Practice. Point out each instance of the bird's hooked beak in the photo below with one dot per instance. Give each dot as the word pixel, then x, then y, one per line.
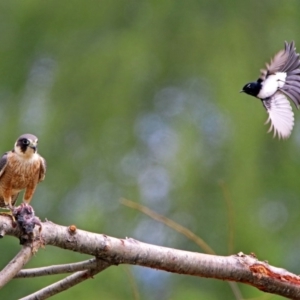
pixel 33 145
pixel 242 91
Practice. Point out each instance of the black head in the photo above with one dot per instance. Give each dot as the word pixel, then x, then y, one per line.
pixel 252 88
pixel 26 142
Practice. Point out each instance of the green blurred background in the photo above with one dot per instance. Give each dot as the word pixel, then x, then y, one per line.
pixel 139 99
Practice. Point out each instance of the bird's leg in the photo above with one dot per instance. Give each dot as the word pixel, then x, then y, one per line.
pixel 11 213
pixel 7 197
pixel 7 201
pixel 28 193
pixel 10 206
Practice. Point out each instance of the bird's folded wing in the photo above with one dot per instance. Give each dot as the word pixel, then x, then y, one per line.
pixel 281 115
pixel 43 167
pixel 3 163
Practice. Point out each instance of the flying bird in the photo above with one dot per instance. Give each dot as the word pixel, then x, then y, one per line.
pixel 21 169
pixel 277 83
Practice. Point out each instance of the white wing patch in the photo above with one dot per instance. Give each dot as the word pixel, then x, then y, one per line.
pixel 281 115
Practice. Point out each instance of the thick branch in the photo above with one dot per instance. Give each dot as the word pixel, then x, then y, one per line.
pixel 15 265
pixel 239 268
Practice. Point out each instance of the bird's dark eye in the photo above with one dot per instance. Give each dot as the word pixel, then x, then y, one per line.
pixel 25 142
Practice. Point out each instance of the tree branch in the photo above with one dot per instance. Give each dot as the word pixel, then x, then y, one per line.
pixel 57 269
pixel 67 282
pixel 15 265
pixel 239 268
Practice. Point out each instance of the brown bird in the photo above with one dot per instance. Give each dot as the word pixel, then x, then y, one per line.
pixel 22 168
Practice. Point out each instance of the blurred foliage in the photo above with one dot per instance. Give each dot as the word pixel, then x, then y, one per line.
pixel 139 99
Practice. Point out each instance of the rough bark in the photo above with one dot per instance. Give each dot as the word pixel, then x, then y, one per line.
pixel 109 251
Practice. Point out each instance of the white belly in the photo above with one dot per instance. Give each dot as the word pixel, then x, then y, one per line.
pixel 271 85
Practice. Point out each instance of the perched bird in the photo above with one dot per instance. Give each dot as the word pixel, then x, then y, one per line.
pixel 280 81
pixel 22 168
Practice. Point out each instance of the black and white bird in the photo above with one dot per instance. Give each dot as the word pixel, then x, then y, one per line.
pixel 280 81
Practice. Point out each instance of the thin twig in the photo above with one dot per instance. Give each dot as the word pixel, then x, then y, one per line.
pixel 233 285
pixel 228 201
pixel 183 230
pixel 67 282
pixel 179 228
pixel 57 269
pixel 134 287
pixel 16 264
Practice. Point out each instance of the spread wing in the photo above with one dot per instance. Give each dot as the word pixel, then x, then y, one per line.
pixel 3 163
pixel 281 115
pixel 284 61
pixel 43 167
pixel 291 86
